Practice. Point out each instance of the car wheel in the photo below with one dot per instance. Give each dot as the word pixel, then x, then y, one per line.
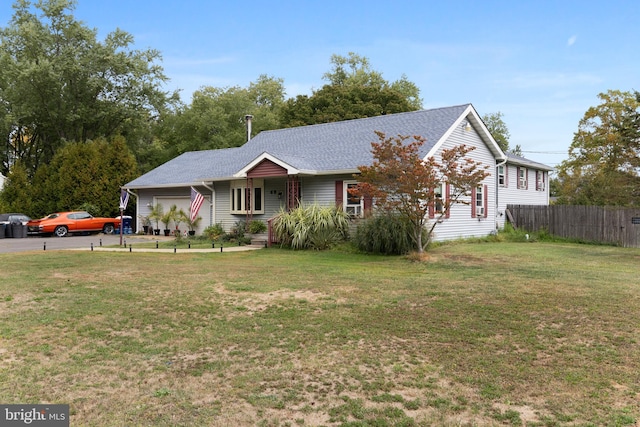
pixel 61 231
pixel 108 229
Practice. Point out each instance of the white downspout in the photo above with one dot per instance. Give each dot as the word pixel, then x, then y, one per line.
pixel 212 219
pixel 498 190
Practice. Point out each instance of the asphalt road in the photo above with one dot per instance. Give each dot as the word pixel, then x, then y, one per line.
pixel 36 243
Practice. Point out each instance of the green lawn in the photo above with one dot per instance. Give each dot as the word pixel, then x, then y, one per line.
pixel 477 334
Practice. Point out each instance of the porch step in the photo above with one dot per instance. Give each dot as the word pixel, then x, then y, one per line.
pixel 259 239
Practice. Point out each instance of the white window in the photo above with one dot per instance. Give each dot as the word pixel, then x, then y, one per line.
pixel 502 177
pixel 540 181
pixel 245 199
pixel 439 193
pixel 353 205
pixel 479 201
pixel 522 178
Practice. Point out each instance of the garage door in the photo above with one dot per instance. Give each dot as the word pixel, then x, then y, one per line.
pixel 183 203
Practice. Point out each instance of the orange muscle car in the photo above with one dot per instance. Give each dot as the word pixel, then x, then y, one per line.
pixel 62 224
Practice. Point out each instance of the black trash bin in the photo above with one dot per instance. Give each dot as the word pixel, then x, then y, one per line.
pixel 17 230
pixel 2 227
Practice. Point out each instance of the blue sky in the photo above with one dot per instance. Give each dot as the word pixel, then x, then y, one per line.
pixel 540 63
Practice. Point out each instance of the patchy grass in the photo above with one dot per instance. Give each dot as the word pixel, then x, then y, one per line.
pixel 179 242
pixel 473 334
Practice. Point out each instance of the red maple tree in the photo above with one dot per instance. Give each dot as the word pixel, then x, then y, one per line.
pixel 402 181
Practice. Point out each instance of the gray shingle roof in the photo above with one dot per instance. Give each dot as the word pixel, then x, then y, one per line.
pixel 318 148
pixel 521 161
pixel 190 168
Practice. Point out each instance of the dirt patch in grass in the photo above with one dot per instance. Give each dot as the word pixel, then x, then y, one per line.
pixel 249 303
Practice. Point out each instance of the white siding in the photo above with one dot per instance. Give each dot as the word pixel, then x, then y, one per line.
pixel 460 223
pixel 511 194
pixel 322 190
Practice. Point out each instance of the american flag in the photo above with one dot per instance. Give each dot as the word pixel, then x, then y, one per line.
pixel 196 202
pixel 124 199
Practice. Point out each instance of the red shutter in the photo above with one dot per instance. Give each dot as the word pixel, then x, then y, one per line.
pixel 432 208
pixel 518 177
pixel 473 202
pixel 486 201
pixel 447 198
pixel 339 192
pixel 293 192
pixel 368 202
pixel 526 178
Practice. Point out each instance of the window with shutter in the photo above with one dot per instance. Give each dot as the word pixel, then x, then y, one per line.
pixel 353 205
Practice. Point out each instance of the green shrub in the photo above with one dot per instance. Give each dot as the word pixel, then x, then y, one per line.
pixel 214 232
pixel 238 229
pixel 257 227
pixel 385 233
pixel 311 227
pixel 90 208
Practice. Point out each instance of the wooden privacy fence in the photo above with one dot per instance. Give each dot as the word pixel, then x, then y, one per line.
pixel 619 226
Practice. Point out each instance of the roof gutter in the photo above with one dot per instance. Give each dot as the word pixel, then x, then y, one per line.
pixel 212 219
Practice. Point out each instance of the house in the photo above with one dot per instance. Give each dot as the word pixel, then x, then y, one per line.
pixel 277 169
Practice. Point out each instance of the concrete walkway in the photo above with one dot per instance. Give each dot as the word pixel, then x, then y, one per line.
pixel 177 250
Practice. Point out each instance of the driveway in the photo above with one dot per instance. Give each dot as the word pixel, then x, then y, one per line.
pixel 36 243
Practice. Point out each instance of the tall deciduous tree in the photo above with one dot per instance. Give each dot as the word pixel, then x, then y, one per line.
pixel 354 91
pixel 59 83
pixel 355 70
pixel 337 103
pixel 603 167
pixel 216 116
pixel 400 180
pixel 498 129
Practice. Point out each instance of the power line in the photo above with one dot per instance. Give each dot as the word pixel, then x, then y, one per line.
pixel 545 152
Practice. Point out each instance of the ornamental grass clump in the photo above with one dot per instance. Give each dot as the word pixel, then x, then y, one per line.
pixel 311 227
pixel 386 233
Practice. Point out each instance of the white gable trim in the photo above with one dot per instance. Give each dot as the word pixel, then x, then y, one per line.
pixel 266 156
pixel 471 116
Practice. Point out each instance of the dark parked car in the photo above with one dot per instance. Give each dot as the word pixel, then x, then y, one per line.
pixel 8 218
pixel 9 221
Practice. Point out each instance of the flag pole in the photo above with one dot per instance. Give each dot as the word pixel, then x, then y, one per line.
pixel 124 199
pixel 121 224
